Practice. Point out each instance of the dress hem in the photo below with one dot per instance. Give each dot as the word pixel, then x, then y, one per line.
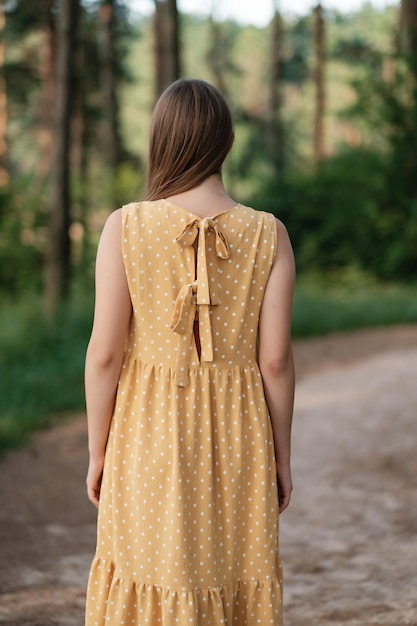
pixel 114 600
pixel 181 590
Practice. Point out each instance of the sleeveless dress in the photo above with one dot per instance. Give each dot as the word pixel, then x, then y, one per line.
pixel 188 516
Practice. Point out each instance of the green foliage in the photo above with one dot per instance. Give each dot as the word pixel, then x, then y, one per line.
pixel 387 101
pixel 332 214
pixel 349 299
pixel 357 51
pixel 127 185
pixel 368 26
pixel 295 68
pixel 21 237
pixel 25 16
pixel 359 209
pixel 41 365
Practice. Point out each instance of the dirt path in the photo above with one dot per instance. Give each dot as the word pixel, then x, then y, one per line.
pixel 348 541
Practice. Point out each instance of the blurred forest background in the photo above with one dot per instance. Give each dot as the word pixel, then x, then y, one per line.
pixel 325 108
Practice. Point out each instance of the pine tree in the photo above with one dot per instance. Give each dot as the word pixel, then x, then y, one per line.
pixel 408 30
pixel 319 82
pixel 218 55
pixel 47 77
pixel 275 126
pixel 4 175
pixel 111 134
pixel 167 44
pixel 59 253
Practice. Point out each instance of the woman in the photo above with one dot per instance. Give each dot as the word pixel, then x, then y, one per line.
pixel 189 387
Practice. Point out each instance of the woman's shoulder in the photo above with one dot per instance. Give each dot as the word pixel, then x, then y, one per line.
pixel 265 217
pixel 131 208
pixel 136 211
pixel 142 207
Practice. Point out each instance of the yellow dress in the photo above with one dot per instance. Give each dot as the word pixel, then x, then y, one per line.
pixel 188 517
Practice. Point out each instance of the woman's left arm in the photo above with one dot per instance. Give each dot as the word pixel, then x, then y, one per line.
pixel 105 350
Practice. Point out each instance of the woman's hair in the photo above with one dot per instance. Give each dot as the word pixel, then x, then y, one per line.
pixel 191 135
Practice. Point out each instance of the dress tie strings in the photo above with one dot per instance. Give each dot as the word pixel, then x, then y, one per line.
pixel 200 294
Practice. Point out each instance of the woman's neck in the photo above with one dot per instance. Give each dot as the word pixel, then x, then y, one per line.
pixel 206 200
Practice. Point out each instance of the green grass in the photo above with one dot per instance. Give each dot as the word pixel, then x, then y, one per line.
pixel 41 367
pixel 348 301
pixel 41 364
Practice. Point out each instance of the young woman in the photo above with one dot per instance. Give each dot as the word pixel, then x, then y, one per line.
pixel 189 387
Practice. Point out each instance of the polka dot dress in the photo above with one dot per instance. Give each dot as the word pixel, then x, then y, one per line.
pixel 188 517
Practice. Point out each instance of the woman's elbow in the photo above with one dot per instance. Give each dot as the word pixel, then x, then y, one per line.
pixel 276 366
pixel 101 357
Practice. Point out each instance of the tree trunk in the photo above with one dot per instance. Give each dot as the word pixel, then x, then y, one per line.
pixel 408 32
pixel 47 81
pixel 4 175
pixel 319 82
pixel 167 44
pixel 217 55
pixel 80 157
pixel 111 133
pixel 58 253
pixel 275 127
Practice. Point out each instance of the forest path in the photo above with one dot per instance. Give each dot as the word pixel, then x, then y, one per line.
pixel 348 540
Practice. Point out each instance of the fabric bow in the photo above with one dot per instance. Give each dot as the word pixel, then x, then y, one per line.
pixel 199 295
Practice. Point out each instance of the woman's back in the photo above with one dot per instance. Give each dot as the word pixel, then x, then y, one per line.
pixel 181 267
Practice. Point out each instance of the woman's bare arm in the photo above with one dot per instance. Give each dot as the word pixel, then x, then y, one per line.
pixel 105 350
pixel 276 359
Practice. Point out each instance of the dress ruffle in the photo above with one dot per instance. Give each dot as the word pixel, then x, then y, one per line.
pixel 127 602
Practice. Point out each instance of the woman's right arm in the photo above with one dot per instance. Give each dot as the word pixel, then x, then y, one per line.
pixel 275 357
pixel 106 347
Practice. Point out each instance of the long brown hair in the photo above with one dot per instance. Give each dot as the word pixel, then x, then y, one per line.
pixel 191 135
